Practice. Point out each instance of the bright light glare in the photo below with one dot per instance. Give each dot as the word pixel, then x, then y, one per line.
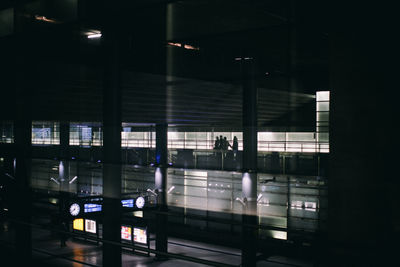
pixel 323 95
pixel 96 35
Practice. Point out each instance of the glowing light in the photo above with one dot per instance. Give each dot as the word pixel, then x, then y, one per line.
pixel 43 18
pixel 54 180
pixel 138 213
pixel 185 46
pixel 279 234
pixel 323 95
pixel 158 178
pixel 190 47
pixel 174 44
pixel 311 206
pixel 126 233
pixel 95 35
pixel 90 226
pixel 140 235
pixel 73 179
pixel 171 189
pixel 78 224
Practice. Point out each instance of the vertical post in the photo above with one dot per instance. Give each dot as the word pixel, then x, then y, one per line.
pixel 160 186
pixel 249 177
pixel 288 210
pixel 64 157
pixel 22 141
pixel 111 34
pixel 63 175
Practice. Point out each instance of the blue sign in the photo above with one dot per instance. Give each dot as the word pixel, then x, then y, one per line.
pixel 128 203
pixel 92 207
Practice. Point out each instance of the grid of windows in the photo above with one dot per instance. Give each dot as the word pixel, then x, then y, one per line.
pixel 45 133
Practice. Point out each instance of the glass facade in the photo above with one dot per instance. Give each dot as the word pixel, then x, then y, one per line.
pixel 202 70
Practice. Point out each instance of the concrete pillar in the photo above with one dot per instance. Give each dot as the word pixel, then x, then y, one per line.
pixel 160 186
pixel 363 219
pixel 111 45
pixel 249 177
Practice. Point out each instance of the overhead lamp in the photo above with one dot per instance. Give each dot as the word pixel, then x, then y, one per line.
pixel 95 35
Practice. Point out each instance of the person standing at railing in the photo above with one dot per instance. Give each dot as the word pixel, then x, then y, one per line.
pixel 225 144
pixel 235 147
pixel 217 144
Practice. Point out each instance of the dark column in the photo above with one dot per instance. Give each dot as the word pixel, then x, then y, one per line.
pixel 160 186
pixel 363 187
pixel 112 134
pixel 20 209
pixel 64 178
pixel 63 169
pixel 249 178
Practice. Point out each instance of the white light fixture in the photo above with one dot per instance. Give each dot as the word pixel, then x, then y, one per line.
pixel 152 192
pixel 73 179
pixel 172 188
pixel 242 201
pixel 54 180
pixel 95 35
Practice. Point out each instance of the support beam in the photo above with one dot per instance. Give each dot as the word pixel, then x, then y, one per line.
pixel 22 142
pixel 249 177
pixel 63 177
pixel 63 169
pixel 160 186
pixel 111 45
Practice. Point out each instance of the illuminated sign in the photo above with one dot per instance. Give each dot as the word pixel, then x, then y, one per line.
pixel 78 224
pixel 126 233
pixel 128 203
pixel 140 235
pixel 90 207
pixel 90 226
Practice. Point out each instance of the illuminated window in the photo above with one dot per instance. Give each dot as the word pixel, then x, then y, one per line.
pixel 6 132
pixel 312 206
pixel 45 133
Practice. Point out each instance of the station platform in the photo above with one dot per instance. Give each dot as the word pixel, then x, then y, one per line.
pixel 48 252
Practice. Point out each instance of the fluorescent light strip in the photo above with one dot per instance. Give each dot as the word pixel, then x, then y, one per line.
pixel 96 35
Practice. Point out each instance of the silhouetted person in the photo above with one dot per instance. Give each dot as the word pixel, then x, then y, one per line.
pixel 217 144
pixel 225 144
pixel 235 146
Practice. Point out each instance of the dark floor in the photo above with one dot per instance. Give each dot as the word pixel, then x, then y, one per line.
pixel 78 252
